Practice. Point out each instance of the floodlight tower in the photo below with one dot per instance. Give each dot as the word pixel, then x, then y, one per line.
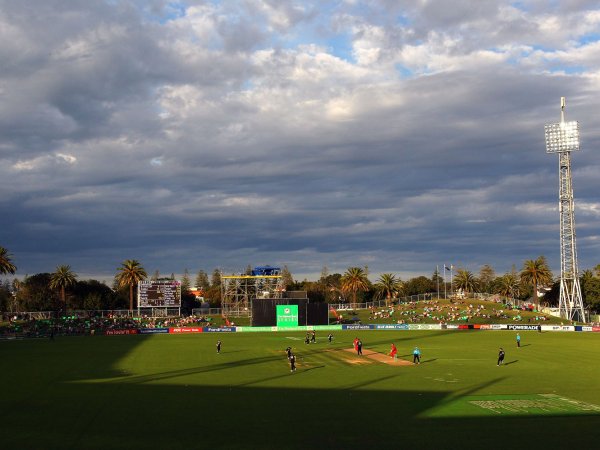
pixel 563 138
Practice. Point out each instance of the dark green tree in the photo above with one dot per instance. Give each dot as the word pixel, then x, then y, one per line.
pixel 202 280
pixel 286 278
pixel 590 290
pixel 93 294
pixel 465 280
pixel 35 294
pixel 6 265
pixel 536 273
pixel 5 296
pixel 354 281
pixel 130 274
pixel 215 280
pixel 509 285
pixel 63 279
pixel 186 283
pixel 419 285
pixel 486 277
pixel 387 286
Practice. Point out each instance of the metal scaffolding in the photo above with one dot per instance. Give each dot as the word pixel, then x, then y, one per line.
pixel 563 138
pixel 239 291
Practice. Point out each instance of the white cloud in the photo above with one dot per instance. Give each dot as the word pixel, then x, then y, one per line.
pixel 43 162
pixel 325 134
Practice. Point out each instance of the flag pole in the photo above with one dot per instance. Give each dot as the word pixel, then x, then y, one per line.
pixel 437 280
pixel 451 287
pixel 445 297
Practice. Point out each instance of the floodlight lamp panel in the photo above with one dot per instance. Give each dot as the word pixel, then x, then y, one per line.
pixel 562 137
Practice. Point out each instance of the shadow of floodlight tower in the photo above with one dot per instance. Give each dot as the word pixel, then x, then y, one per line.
pixel 563 138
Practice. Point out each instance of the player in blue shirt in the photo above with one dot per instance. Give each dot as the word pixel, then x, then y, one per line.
pixel 416 356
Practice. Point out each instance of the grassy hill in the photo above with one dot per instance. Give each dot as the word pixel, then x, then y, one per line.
pixel 447 311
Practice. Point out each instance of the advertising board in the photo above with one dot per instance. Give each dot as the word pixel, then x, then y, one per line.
pixel 358 327
pixel 556 328
pixel 424 326
pixel 185 330
pixel 153 330
pixel 287 316
pixel 219 330
pixel 121 332
pixel 392 326
pixel 522 327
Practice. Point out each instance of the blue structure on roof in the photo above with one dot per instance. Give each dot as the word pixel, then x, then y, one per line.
pixel 265 271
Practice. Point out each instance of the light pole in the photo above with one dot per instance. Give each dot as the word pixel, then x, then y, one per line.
pixel 563 138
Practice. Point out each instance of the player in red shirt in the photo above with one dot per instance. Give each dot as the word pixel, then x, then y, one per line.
pixel 393 351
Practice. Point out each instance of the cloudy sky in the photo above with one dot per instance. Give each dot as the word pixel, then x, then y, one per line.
pixel 400 135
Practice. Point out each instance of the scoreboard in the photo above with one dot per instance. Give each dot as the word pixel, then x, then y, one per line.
pixel 159 293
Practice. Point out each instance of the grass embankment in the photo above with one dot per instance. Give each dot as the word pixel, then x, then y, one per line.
pixel 447 311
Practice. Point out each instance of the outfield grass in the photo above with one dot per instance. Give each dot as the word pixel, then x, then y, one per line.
pixel 168 391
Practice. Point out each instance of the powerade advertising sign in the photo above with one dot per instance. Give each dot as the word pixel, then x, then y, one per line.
pixel 522 327
pixel 287 316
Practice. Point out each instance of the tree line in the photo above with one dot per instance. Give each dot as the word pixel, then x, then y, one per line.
pixel 61 290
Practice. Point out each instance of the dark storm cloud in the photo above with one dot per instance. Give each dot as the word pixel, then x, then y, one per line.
pixel 218 135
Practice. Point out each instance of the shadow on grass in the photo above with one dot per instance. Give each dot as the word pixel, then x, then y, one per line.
pixel 45 409
pixel 276 377
pixel 121 416
pixel 511 362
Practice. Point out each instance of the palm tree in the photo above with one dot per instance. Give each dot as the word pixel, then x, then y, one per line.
pixel 536 273
pixel 355 280
pixel 509 285
pixel 62 279
pixel 130 273
pixel 388 285
pixel 6 265
pixel 465 280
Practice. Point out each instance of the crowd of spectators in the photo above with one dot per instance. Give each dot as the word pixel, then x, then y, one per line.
pixel 72 325
pixel 445 312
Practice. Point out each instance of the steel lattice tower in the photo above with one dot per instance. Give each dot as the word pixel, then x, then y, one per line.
pixel 563 138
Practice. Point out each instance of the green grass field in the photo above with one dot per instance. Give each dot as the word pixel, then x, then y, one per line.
pixel 169 391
